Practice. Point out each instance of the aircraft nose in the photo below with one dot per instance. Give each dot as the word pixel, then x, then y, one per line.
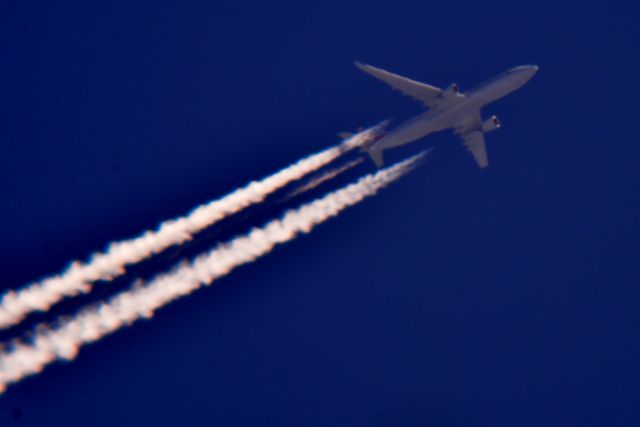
pixel 528 70
pixel 524 72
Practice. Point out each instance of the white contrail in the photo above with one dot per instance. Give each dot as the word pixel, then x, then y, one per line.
pixel 326 176
pixel 49 344
pixel 79 276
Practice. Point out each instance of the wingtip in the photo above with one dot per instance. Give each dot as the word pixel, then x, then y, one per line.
pixel 362 65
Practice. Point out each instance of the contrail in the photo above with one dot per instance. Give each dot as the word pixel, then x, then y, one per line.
pixel 63 341
pixel 326 176
pixel 79 276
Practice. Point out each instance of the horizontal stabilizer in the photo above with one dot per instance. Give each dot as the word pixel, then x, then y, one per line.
pixel 377 157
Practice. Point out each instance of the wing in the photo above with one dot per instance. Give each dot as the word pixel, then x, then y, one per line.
pixel 427 94
pixel 474 141
pixel 471 133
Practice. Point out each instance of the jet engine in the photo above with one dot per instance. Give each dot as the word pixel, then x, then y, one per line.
pixel 450 90
pixel 492 123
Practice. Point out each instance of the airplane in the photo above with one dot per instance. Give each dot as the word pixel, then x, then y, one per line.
pixel 448 108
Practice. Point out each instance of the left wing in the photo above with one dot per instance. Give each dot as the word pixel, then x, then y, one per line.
pixel 470 130
pixel 427 94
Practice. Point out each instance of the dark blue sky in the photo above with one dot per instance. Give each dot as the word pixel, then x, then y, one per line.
pixel 456 297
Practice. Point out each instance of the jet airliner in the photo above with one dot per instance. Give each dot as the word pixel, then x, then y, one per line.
pixel 448 108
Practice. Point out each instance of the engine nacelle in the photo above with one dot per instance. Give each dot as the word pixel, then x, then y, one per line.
pixel 492 123
pixel 450 90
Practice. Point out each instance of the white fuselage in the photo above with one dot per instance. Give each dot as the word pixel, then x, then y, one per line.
pixel 461 108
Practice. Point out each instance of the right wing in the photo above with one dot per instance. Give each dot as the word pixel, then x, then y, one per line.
pixel 473 138
pixel 474 141
pixel 427 94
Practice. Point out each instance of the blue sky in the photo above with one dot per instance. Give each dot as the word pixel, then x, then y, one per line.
pixel 455 297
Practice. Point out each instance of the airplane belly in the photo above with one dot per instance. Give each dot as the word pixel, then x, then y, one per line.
pixel 425 124
pixel 409 132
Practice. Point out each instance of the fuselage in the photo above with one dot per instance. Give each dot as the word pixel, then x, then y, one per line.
pixel 457 108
